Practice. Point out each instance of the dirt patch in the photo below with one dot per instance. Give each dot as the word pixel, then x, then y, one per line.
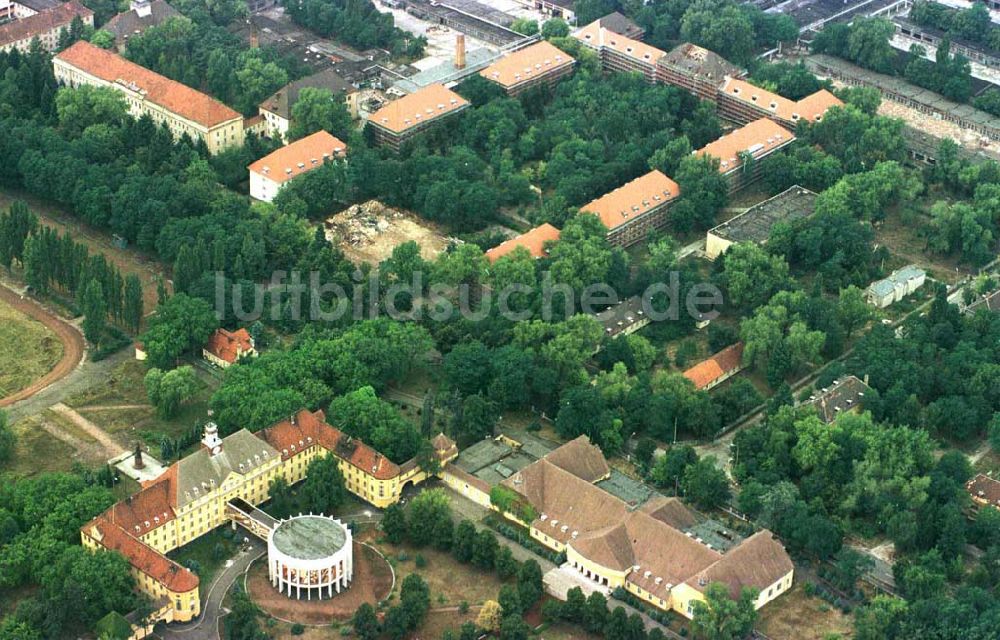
pixel 368 232
pixel 72 344
pixel 798 616
pixel 127 260
pixel 372 582
pixel 111 447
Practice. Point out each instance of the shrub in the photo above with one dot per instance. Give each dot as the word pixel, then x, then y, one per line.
pixel 463 607
pixel 298 629
pixel 420 561
pixel 403 556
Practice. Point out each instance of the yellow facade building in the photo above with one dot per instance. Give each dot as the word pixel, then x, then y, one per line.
pixel 647 550
pixel 181 108
pixel 192 497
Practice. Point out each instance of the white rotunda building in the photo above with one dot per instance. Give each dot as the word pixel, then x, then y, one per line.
pixel 310 554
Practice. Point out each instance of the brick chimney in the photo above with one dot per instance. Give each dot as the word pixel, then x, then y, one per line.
pixel 460 51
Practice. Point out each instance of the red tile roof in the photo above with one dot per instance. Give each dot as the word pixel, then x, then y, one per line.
pixel 169 94
pixel 810 108
pixel 534 241
pixel 429 103
pixel 229 345
pixel 299 157
pixel 633 199
pixel 41 23
pixel 596 36
pixel 141 556
pixel 150 507
pixel 708 371
pixel 527 64
pixel 758 138
pixel 289 437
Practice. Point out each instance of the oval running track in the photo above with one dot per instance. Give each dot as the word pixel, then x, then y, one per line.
pixel 71 338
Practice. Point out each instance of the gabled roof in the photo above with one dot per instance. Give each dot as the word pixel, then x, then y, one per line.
pixel 758 562
pixel 301 156
pixel 526 64
pixel 708 371
pixel 304 428
pixel 281 101
pixel 622 25
pixel 700 63
pixel 633 199
pixel 670 511
pixel 843 395
pixel 128 23
pixel 758 138
pixel 202 472
pixel 810 108
pixel 228 345
pixel 42 22
pixel 150 507
pixel 600 37
pixel 581 458
pixel 534 241
pixel 429 103
pixel 169 94
pixel 141 556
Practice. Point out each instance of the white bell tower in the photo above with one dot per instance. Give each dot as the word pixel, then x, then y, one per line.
pixel 211 440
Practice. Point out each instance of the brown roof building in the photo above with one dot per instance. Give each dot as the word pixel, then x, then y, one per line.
pixel 142 14
pixel 695 69
pixel 535 65
pixel 717 369
pixel 271 172
pixel 743 102
pixel 634 209
pixel 183 109
pixel 46 25
pixel 206 489
pixel 619 53
pixel 741 152
pixel 846 395
pixel 224 347
pixel 622 25
pixel 984 490
pixel 652 551
pixel 405 117
pixel 536 241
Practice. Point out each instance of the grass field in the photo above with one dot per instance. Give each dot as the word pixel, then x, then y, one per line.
pixel 119 406
pixel 798 616
pixel 38 451
pixel 28 350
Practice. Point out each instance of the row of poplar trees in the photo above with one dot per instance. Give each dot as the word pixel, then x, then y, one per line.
pixel 55 263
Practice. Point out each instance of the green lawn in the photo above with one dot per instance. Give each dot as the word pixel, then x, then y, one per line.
pixel 208 553
pixel 36 451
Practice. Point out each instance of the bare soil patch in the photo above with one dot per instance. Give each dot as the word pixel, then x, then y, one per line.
pixel 798 616
pixel 368 232
pixel 372 582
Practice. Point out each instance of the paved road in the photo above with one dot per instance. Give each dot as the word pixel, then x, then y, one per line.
pixel 206 627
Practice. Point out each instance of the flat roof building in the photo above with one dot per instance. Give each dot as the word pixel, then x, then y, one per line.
pixel 741 152
pixel 41 21
pixel 269 174
pixel 696 70
pixel 755 224
pixel 535 241
pixel 634 209
pixel 619 53
pixel 984 490
pixel 184 110
pixel 405 117
pixel 533 66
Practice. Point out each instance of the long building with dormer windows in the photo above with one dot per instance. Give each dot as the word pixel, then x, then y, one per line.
pixel 184 110
pixel 204 490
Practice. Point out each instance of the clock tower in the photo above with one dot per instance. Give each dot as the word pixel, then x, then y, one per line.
pixel 211 440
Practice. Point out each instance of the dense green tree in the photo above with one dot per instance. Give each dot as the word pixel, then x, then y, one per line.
pixel 719 617
pixel 323 489
pixel 318 109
